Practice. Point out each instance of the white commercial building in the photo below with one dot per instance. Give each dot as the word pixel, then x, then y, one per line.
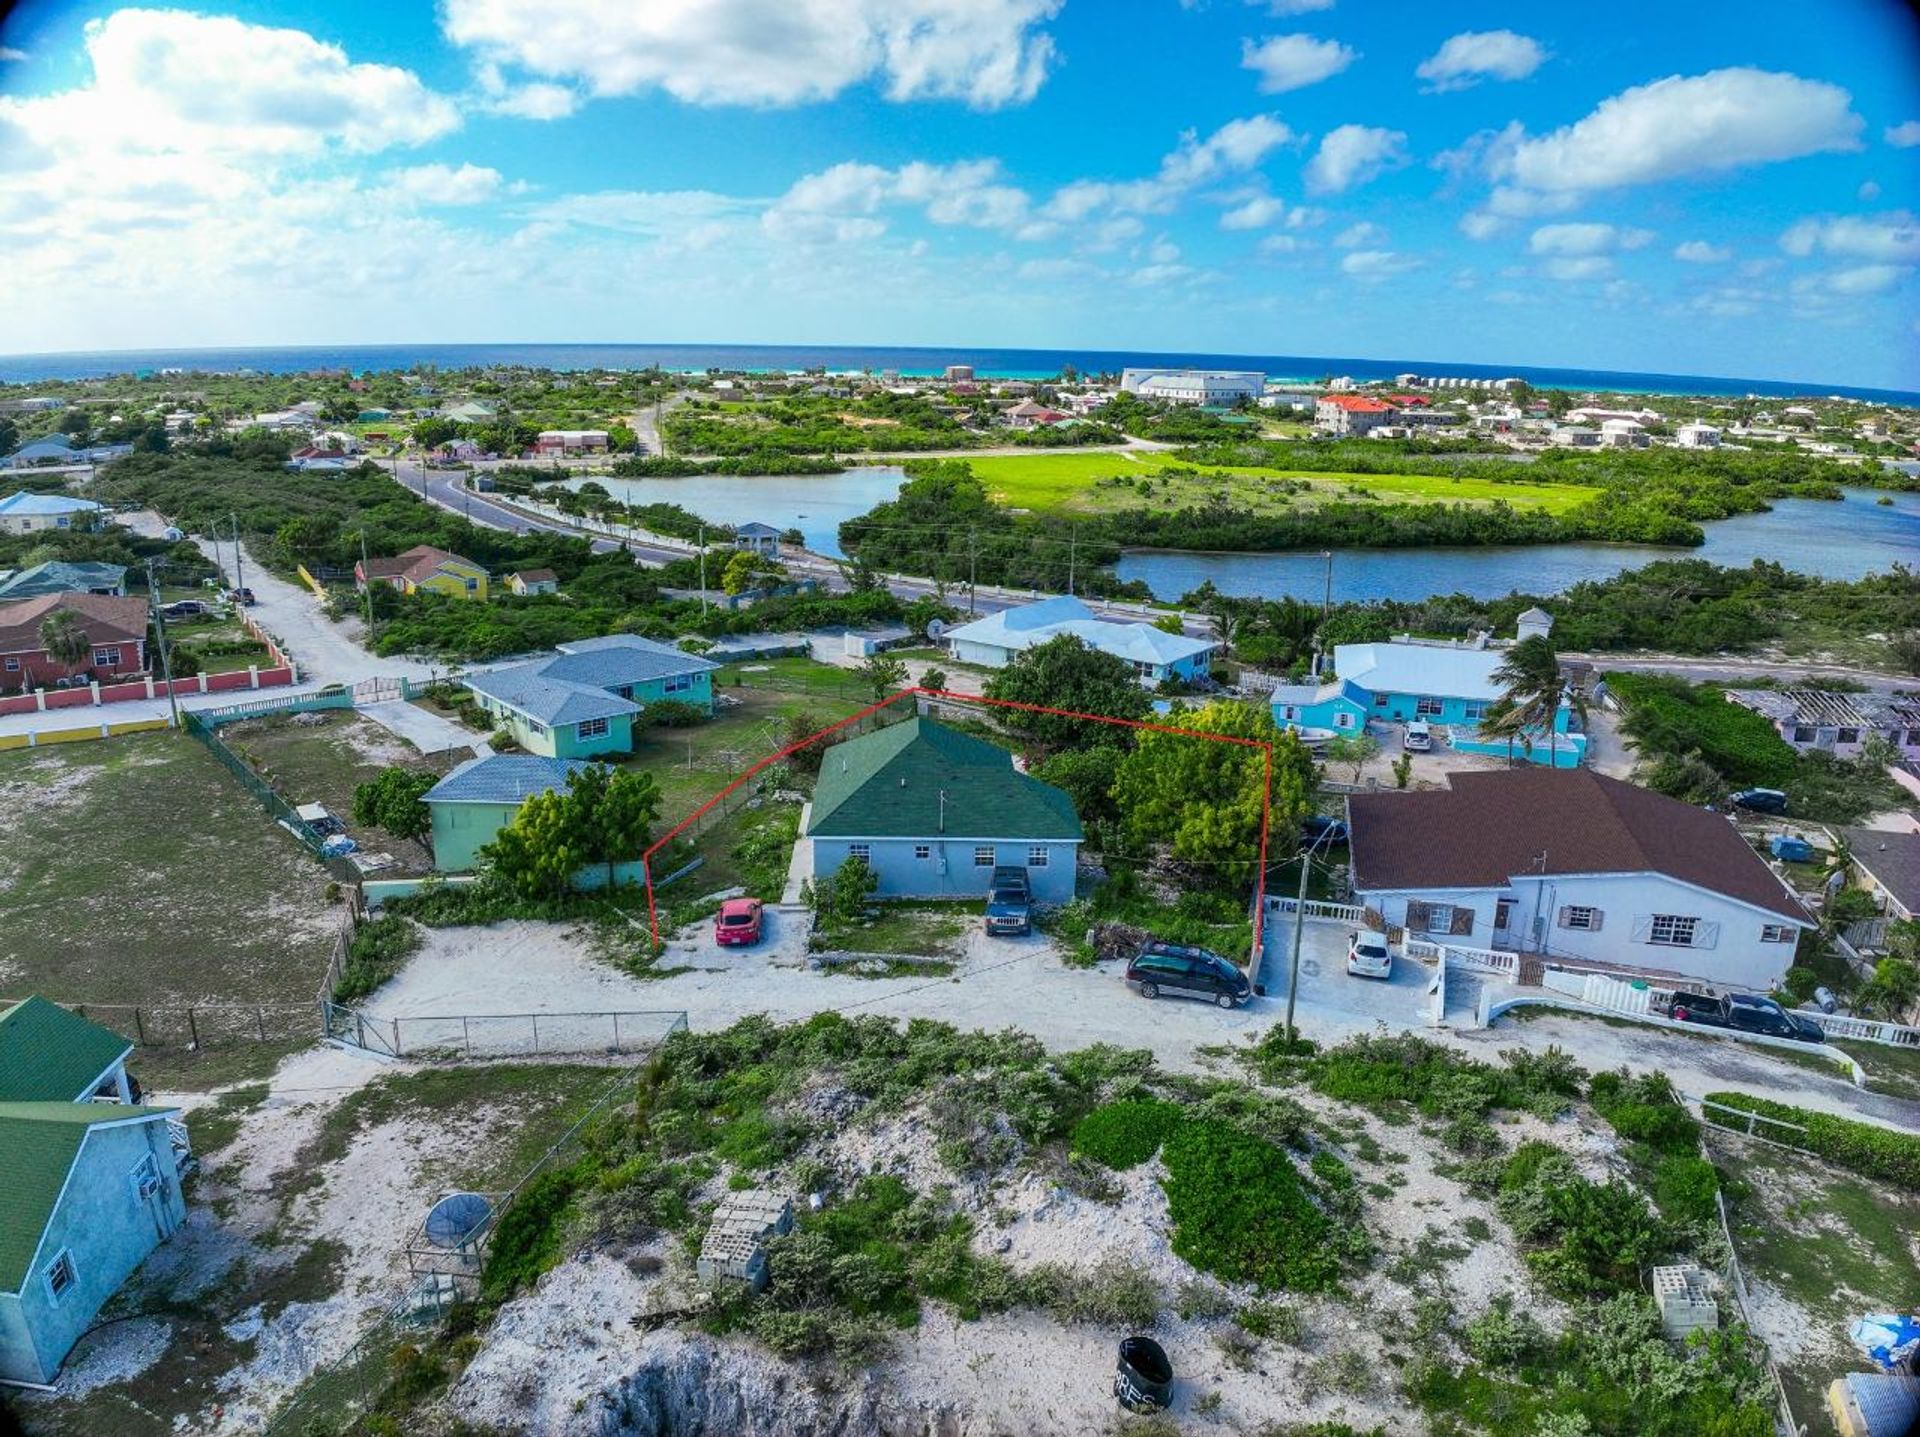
pixel 1195 386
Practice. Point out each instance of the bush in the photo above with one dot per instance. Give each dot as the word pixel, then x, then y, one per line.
pixel 672 713
pixel 1125 1134
pixel 1645 1110
pixel 1871 1151
pixel 1114 1293
pixel 526 1240
pixel 1241 1212
pixel 1585 1239
pixel 1501 1338
pixel 1684 1188
pixel 375 954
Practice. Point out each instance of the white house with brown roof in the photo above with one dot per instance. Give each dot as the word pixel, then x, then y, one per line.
pixel 1578 866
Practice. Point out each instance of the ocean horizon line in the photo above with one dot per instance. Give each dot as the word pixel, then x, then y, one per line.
pixel 909 360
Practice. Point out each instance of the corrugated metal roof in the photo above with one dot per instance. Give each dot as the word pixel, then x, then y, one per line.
pixel 919 779
pixel 1032 624
pixel 1431 669
pixel 48 1054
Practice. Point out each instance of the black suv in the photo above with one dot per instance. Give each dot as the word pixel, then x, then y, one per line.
pixel 1009 902
pixel 1181 972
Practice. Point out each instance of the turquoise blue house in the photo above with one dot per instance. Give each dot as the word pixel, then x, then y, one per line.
pixel 583 701
pixel 483 795
pixel 1448 686
pixel 89 1182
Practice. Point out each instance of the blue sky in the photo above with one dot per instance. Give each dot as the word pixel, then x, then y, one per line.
pixel 1702 188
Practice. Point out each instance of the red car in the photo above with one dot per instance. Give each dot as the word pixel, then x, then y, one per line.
pixel 738 921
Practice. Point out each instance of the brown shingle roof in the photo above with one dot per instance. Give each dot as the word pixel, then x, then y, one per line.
pixel 1892 858
pixel 1489 827
pixel 106 619
pixel 537 576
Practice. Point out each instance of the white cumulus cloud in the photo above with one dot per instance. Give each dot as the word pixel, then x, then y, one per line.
pixel 1372 265
pixel 989 53
pixel 1893 237
pixel 1903 136
pixel 1353 154
pixel 1467 59
pixel 1358 236
pixel 1686 125
pixel 468 184
pixel 1292 62
pixel 1702 252
pixel 1586 239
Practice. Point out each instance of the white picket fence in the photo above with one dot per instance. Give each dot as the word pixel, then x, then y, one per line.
pixel 1314 909
pixel 1894 1035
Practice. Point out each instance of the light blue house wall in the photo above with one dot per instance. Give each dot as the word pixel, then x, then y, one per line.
pixel 954 867
pixel 108 1232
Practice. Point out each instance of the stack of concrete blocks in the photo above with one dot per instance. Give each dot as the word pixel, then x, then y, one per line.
pixel 734 1249
pixel 1686 1302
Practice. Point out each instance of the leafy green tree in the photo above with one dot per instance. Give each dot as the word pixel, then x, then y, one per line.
pixel 621 438
pixel 1402 770
pixel 748 570
pixel 1203 799
pixel 1893 989
pixel 842 895
pixel 1087 775
pixel 64 637
pixel 1530 693
pixel 934 678
pixel 611 813
pixel 394 801
pixel 884 674
pixel 1354 750
pixel 1064 673
pixel 535 854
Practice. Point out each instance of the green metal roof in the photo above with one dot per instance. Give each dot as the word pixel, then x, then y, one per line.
pixel 50 1055
pixel 920 780
pixel 41 1140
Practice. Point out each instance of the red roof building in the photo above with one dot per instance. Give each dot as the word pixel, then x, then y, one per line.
pixel 116 631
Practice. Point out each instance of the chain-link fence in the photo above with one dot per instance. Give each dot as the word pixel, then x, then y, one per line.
pixel 502 1035
pixel 198 1025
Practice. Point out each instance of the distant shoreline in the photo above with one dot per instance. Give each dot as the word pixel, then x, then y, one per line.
pixel 908 361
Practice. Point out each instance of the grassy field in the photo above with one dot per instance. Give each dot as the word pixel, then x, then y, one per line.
pixel 1835 1246
pixel 1070 484
pixel 138 870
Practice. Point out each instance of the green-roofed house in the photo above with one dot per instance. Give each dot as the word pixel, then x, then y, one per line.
pixel 50 1055
pixel 934 811
pixel 89 1181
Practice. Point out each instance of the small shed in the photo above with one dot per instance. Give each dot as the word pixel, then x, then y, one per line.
pixel 757 538
pixel 734 1249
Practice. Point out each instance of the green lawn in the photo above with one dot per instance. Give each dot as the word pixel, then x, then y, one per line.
pixel 1888 1070
pixel 1069 483
pixel 137 869
pixel 929 931
pixel 797 676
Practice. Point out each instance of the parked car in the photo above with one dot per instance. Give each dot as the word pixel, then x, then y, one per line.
pixel 1418 737
pixel 738 922
pixel 1321 829
pixel 183 609
pixel 1759 800
pixel 241 596
pixel 1745 1012
pixel 1368 955
pixel 1181 972
pixel 1009 903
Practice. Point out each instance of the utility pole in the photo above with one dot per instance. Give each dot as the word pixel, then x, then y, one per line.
pixel 1073 538
pixel 973 571
pixel 239 572
pixel 366 583
pixel 703 569
pixel 160 636
pixel 1299 922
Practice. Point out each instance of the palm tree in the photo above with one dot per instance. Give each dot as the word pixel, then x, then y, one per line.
pixel 1531 691
pixel 64 638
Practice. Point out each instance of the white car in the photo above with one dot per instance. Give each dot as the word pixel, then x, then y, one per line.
pixel 1418 737
pixel 1368 956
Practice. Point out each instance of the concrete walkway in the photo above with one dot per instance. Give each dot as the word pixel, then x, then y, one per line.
pixel 423 728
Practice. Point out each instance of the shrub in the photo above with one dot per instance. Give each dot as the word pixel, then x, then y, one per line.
pixel 526 1240
pixel 1273 1320
pixel 1125 1134
pixel 1241 1212
pixel 1684 1186
pixel 1500 1337
pixel 1114 1293
pixel 378 949
pixel 671 713
pixel 1871 1151
pixel 1645 1110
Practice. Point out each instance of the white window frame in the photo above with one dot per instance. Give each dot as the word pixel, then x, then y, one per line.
pixel 62 1258
pixel 1038 855
pixel 13 666
pixel 106 656
pixel 535 726
pixel 985 856
pixel 677 684
pixel 923 851
pixel 1580 917
pixel 1779 933
pixel 1426 706
pixel 1680 930
pixel 593 728
pixel 861 851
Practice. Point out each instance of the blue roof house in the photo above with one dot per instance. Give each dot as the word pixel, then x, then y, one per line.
pixel 583 701
pixel 28 513
pixel 89 1184
pixel 1447 685
pixel 57 576
pixel 1154 654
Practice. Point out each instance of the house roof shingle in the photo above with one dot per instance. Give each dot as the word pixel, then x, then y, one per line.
pixel 58 576
pixel 41 1141
pixel 106 618
pixel 1490 827
pixel 28 502
pixel 48 1054
pixel 1032 624
pixel 1892 858
pixel 918 779
pixel 503 778
pixel 575 684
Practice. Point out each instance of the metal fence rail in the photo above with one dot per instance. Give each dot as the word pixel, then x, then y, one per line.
pixel 501 1035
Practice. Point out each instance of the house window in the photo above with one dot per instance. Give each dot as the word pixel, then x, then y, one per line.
pixel 679 684
pixel 593 728
pixel 13 666
pixel 1343 720
pixel 1778 933
pixel 1849 735
pixel 1474 712
pixel 472 584
pixel 537 727
pixel 60 1275
pixel 624 691
pixel 1585 920
pixel 861 851
pixel 1427 708
pixel 106 658
pixel 923 851
pixel 1803 733
pixel 1380 700
pixel 145 1178
pixel 1037 856
pixel 1290 711
pixel 1672 930
pixel 1445 918
pixel 1503 912
pixel 983 856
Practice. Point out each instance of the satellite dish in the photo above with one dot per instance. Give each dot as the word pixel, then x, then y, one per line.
pixel 456 1218
pixel 936 627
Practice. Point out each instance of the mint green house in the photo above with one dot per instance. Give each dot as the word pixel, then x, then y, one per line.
pixel 89 1182
pixel 583 701
pixel 480 797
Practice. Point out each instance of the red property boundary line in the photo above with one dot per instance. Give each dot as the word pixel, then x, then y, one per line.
pixel 1266 796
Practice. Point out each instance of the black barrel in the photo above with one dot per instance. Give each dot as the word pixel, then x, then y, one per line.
pixel 1144 1380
